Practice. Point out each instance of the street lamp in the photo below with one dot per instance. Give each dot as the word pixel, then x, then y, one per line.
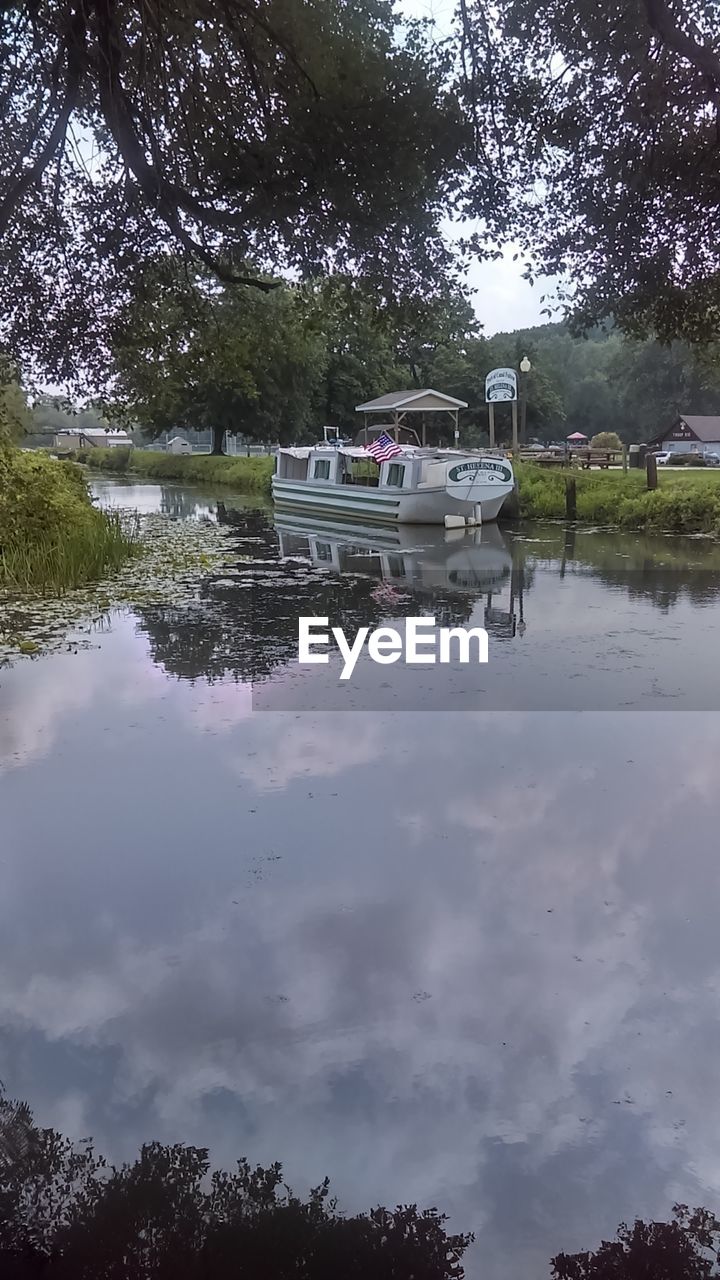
pixel 525 367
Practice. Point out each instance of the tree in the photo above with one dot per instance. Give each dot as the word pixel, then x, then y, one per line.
pixel 14 412
pixel 359 344
pixel 684 1249
pixel 228 360
pixel 282 133
pixel 600 122
pixel 66 1214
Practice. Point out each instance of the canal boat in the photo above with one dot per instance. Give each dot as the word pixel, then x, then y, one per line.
pixel 388 476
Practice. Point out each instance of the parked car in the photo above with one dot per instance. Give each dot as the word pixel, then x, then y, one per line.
pixel 712 459
pixel 663 458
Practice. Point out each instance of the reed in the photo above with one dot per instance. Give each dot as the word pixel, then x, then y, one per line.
pixel 56 564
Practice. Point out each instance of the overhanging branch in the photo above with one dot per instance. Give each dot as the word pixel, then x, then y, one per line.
pixel 665 27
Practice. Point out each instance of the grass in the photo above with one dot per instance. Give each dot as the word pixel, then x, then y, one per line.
pixel 244 475
pixel 77 556
pixel 684 502
pixel 52 538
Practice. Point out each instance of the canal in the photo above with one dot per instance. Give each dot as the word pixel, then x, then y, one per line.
pixel 446 937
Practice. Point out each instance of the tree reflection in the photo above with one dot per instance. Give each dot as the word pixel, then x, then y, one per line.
pixel 662 570
pixel 245 623
pixel 65 1214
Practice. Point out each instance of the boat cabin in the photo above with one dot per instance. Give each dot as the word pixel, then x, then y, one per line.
pixel 325 465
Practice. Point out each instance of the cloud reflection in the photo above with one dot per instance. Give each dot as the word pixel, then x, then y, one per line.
pixel 462 960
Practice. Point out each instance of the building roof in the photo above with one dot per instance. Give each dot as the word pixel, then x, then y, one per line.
pixel 705 427
pixel 412 402
pixel 92 432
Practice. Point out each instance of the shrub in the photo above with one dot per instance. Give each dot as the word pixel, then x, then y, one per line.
pixel 682 504
pixel 606 440
pixel 51 536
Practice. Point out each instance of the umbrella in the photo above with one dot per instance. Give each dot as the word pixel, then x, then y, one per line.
pixel 576 435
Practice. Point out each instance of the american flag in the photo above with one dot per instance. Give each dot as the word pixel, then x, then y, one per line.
pixel 383 448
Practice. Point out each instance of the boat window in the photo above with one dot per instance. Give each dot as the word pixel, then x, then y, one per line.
pixel 395 473
pixel 323 550
pixel 322 469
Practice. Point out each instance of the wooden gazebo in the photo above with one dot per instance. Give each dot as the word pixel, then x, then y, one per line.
pixel 397 404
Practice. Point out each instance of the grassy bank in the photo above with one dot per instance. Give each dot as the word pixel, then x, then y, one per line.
pixel 51 536
pixel 684 502
pixel 245 475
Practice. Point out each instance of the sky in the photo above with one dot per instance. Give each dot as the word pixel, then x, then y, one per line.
pixel 503 300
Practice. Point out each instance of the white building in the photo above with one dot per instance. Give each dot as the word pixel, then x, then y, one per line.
pixel 91 437
pixel 690 433
pixel 178 445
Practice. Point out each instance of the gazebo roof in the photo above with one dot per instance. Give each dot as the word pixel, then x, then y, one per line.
pixel 412 402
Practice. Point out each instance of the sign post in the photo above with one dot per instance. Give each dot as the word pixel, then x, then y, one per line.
pixel 501 386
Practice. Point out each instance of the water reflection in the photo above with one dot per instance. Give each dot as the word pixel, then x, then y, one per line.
pixel 465 960
pixel 577 619
pixel 446 959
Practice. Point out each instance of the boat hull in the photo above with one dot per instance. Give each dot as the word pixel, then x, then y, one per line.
pixel 384 506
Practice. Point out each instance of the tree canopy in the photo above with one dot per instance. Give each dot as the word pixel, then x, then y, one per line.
pixel 226 360
pixel 602 120
pixel 278 366
pixel 299 137
pixel 293 136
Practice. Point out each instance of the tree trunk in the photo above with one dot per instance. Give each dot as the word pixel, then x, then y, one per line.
pixel 218 434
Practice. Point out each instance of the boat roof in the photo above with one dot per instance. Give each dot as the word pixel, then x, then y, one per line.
pixel 406 451
pixel 412 402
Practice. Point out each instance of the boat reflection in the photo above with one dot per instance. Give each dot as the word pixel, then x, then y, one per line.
pixel 415 557
pixel 419 560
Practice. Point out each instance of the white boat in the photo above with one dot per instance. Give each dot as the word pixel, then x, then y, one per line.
pixel 418 485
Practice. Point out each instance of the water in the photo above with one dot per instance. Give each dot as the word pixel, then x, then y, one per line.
pixel 464 958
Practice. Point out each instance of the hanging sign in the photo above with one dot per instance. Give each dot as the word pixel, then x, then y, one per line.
pixel 501 384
